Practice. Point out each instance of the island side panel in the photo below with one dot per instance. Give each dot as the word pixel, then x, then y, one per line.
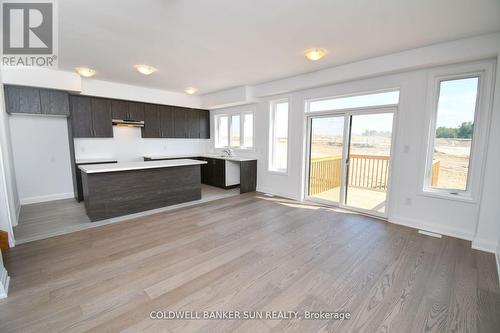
pixel 112 194
pixel 248 176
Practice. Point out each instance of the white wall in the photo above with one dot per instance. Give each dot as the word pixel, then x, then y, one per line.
pixel 40 149
pixel 407 204
pixel 9 199
pixel 488 228
pixel 93 87
pixel 127 145
pixel 41 77
pixel 477 221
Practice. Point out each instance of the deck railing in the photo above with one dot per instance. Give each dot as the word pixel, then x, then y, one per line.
pixel 365 171
pixel 325 174
pixel 436 166
pixel 369 171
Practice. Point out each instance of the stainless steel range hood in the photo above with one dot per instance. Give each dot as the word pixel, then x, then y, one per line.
pixel 128 123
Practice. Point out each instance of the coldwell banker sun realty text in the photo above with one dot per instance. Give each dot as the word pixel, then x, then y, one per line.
pixel 29 33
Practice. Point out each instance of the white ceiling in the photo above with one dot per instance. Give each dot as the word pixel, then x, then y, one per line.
pixel 218 44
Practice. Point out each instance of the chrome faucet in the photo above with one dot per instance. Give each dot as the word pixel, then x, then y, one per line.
pixel 228 152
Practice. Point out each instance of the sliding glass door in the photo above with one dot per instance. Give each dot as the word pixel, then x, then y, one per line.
pixel 350 159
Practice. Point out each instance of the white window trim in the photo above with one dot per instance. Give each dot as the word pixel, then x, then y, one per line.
pixel 484 71
pixel 229 115
pixel 272 109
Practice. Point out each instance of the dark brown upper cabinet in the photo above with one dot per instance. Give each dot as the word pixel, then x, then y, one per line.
pixel 167 124
pixel 151 127
pixel 81 117
pixel 124 110
pixel 193 123
pixel 54 102
pixel 23 100
pixel 119 109
pixel 136 111
pixel 101 118
pixel 91 117
pixel 29 100
pixel 164 121
pixel 204 120
pixel 180 122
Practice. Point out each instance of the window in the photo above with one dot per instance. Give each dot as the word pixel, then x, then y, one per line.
pixel 248 130
pixel 221 131
pixel 231 131
pixel 278 150
pixel 235 130
pixel 453 134
pixel 350 102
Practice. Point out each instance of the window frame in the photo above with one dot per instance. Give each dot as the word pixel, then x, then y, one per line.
pixel 229 116
pixel 482 71
pixel 272 112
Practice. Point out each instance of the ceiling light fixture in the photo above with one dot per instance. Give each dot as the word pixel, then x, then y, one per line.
pixel 190 90
pixel 145 69
pixel 85 71
pixel 315 54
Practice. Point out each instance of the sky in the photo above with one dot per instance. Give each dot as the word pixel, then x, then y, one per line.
pixel 457 102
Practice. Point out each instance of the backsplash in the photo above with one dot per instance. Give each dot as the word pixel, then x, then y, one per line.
pixel 128 145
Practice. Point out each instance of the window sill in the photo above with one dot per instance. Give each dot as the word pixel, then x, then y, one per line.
pixel 447 196
pixel 277 172
pixel 252 149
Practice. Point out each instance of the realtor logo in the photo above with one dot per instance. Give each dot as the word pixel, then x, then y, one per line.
pixel 28 31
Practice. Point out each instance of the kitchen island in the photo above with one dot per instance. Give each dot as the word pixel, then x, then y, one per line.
pixel 112 190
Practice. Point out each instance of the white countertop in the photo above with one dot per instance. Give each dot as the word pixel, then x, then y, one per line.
pixel 94 160
pixel 232 158
pixel 98 168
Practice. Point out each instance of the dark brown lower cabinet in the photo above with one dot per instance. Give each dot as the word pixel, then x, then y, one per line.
pixel 214 172
pixel 79 187
pixel 111 194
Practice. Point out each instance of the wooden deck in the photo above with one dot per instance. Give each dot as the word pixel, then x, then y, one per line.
pixel 250 252
pixel 358 198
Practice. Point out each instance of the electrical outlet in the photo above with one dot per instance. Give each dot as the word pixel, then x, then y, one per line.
pixel 406 148
pixel 408 201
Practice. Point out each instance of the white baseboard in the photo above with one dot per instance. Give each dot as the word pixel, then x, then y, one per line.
pixel 485 245
pixel 497 257
pixel 439 229
pixel 45 198
pixel 279 194
pixel 4 279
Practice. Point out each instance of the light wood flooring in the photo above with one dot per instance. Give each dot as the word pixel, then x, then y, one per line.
pixel 250 253
pixel 48 219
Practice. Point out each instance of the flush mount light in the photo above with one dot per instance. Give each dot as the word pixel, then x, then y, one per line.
pixel 190 90
pixel 315 54
pixel 84 71
pixel 145 69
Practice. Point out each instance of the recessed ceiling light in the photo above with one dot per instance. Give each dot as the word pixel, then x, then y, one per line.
pixel 190 90
pixel 315 54
pixel 145 69
pixel 84 71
